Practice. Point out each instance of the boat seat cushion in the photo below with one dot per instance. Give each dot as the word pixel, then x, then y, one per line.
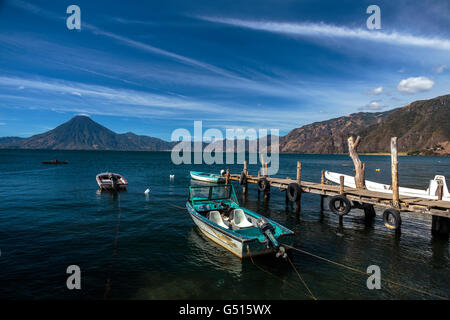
pixel 240 220
pixel 215 217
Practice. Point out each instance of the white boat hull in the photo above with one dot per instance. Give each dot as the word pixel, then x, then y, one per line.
pixel 430 193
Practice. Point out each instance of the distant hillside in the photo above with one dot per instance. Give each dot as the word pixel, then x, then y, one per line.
pixel 328 136
pixel 82 133
pixel 422 128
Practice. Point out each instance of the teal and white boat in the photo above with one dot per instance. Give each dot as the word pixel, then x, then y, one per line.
pixel 207 177
pixel 216 212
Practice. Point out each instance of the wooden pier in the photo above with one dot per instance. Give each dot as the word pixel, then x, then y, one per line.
pixel 395 205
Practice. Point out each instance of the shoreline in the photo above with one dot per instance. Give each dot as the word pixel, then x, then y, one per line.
pixel 400 154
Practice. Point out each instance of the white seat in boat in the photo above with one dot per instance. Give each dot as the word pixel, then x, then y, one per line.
pixel 240 220
pixel 215 217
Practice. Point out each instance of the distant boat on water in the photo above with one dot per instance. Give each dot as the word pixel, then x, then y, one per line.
pixel 111 181
pixel 54 161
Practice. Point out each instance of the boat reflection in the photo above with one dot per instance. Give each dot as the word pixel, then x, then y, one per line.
pixel 204 251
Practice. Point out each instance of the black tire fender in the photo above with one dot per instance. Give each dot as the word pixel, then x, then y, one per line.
pixel 392 219
pixel 293 192
pixel 339 205
pixel 263 184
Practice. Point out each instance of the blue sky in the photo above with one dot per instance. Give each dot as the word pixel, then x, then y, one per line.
pixel 156 66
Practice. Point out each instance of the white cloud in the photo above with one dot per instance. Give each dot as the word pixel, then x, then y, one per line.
pixel 413 85
pixel 374 105
pixel 375 91
pixel 327 30
pixel 440 69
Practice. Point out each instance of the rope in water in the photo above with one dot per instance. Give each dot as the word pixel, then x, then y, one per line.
pixel 364 273
pixel 301 279
pixel 335 263
pixel 116 241
pixel 273 275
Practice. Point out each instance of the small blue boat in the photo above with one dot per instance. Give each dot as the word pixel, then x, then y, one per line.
pixel 216 212
pixel 207 177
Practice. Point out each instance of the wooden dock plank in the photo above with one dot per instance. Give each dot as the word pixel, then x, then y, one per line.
pixel 407 203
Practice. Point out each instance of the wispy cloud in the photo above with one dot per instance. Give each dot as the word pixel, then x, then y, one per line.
pixel 440 69
pixel 113 95
pixel 375 91
pixel 125 40
pixel 374 105
pixel 328 30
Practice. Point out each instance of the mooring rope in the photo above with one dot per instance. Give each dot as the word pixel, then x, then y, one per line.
pixel 364 273
pixel 178 207
pixel 301 279
pixel 332 262
pixel 275 276
pixel 116 241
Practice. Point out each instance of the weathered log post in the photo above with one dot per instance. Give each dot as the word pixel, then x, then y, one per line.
pixel 227 177
pixel 299 182
pixel 440 191
pixel 245 185
pixel 394 173
pixel 341 185
pixel 322 197
pixel 267 191
pixel 360 167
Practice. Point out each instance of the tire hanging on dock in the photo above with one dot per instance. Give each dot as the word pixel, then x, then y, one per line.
pixel 339 205
pixel 293 192
pixel 263 184
pixel 392 219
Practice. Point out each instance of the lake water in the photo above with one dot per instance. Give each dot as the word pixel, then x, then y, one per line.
pixel 133 246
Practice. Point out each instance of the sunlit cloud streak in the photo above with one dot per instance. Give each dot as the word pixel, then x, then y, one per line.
pixel 328 30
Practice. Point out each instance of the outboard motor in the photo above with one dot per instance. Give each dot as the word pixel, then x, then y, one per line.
pixel 268 230
pixel 113 181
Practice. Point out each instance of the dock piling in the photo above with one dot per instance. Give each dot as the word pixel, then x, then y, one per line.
pixel 394 172
pixel 299 181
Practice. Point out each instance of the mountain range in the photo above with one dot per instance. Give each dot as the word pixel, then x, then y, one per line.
pixel 422 127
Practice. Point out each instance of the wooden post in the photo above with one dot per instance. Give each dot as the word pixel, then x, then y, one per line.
pixel 359 166
pixel 394 172
pixel 322 178
pixel 341 184
pixel 227 177
pixel 299 181
pixel 244 187
pixel 440 191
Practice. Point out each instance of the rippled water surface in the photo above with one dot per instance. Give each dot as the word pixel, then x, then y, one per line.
pixel 133 246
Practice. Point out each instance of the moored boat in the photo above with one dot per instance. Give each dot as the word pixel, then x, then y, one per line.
pixel 111 181
pixel 207 177
pixel 430 193
pixel 216 212
pixel 54 161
